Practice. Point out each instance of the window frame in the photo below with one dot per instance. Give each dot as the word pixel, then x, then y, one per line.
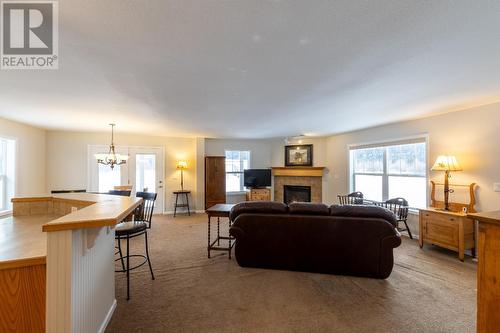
pixel 385 175
pixel 242 187
pixel 14 176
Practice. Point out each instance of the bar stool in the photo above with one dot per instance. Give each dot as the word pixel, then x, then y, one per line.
pixel 138 227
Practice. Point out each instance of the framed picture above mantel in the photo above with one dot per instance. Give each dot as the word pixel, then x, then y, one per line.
pixel 299 155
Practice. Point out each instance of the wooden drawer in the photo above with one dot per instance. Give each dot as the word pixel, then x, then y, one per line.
pixel 440 230
pixel 260 191
pixel 443 234
pixel 450 230
pixel 259 194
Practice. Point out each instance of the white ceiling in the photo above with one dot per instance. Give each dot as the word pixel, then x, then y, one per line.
pixel 258 68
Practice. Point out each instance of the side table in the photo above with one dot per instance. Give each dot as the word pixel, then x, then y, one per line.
pixel 180 205
pixel 219 210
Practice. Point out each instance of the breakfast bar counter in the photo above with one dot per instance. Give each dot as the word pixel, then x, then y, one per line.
pixel 57 262
pixel 22 241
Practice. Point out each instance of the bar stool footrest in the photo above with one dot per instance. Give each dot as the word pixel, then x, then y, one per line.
pixel 132 268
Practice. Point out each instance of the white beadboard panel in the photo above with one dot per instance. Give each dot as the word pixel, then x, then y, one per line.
pixel 93 280
pixel 80 280
pixel 58 303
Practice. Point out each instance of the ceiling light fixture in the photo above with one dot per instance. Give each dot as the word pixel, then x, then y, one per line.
pixel 111 158
pixel 295 139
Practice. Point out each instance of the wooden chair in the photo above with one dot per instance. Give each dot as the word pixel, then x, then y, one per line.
pixel 138 227
pixel 354 198
pixel 399 206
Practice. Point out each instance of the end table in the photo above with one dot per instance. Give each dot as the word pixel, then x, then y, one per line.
pixel 180 205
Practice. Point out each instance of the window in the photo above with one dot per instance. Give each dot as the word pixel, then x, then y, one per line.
pixel 236 162
pixel 7 173
pixel 108 178
pixel 391 170
pixel 145 172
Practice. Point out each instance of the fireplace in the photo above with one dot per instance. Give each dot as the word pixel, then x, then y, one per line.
pixel 294 193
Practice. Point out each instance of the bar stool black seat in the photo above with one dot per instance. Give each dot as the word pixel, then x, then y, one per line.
pixel 67 191
pixel 123 193
pixel 131 229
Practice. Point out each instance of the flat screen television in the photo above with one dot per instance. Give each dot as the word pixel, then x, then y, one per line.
pixel 257 178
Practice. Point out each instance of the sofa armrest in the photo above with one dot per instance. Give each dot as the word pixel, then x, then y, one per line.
pixel 386 263
pixel 237 232
pixel 391 242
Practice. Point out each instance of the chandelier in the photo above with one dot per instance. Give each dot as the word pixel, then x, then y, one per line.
pixel 111 158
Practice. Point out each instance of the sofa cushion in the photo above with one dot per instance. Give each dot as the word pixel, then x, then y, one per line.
pixel 258 207
pixel 364 211
pixel 307 208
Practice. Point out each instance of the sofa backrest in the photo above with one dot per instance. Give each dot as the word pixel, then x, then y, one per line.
pixel 364 212
pixel 258 207
pixel 307 208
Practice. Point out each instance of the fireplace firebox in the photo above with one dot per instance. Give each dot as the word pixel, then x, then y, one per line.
pixel 294 193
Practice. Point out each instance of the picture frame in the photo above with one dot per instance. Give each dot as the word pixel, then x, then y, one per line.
pixel 299 155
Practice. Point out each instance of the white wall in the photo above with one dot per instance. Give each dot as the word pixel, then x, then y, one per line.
pixel 472 135
pixel 67 159
pixel 30 163
pixel 261 149
pixel 200 173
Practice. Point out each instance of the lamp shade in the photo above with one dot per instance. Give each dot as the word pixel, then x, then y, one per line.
pixel 181 164
pixel 446 163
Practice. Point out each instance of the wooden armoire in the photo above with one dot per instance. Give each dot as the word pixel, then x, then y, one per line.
pixel 215 180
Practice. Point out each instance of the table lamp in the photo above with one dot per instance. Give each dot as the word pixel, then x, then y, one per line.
pixel 181 165
pixel 446 164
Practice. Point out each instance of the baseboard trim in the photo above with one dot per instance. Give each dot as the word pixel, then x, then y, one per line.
pixel 108 317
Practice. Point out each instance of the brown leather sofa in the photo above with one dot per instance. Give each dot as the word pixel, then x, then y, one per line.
pixel 344 240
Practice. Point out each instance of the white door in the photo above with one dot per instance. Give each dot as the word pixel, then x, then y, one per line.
pixel 146 173
pixel 143 170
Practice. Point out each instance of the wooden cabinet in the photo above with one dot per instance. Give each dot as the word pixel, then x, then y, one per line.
pixel 259 194
pixel 451 230
pixel 215 180
pixel 488 272
pixel 22 298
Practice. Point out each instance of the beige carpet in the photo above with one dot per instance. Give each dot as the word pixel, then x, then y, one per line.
pixel 429 291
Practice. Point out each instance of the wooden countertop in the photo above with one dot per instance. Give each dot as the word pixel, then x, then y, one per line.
pixel 107 210
pixel 22 242
pixel 486 217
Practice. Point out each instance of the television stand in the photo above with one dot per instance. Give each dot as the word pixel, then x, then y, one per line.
pixel 259 194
